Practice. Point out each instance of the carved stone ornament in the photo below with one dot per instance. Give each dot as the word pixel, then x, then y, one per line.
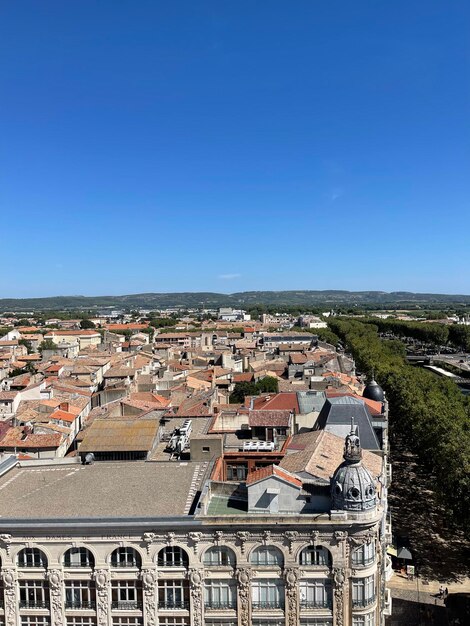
pixel 196 591
pixel 101 578
pixel 242 536
pixel 218 536
pixel 340 535
pixel 266 536
pixel 102 596
pixel 149 537
pixel 244 591
pixel 314 537
pixel 8 576
pixel 339 578
pixel 5 542
pixel 10 602
pixel 291 577
pixel 170 538
pixel 195 538
pixel 195 577
pixel 291 536
pixel 149 581
pixel 244 576
pixel 54 577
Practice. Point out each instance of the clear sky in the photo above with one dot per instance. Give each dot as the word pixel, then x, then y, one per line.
pixel 233 145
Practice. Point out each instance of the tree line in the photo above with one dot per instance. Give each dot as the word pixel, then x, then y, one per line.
pixel 430 413
pixel 434 333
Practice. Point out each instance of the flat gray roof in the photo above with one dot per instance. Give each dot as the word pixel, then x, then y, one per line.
pixel 105 489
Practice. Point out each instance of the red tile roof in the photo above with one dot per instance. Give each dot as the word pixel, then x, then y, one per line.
pixel 272 470
pixel 14 438
pixel 78 333
pixel 8 395
pixel 277 402
pixel 245 377
pixel 114 327
pixel 269 418
pixel 63 416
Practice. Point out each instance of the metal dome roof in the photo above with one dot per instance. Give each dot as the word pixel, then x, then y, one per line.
pixel 373 391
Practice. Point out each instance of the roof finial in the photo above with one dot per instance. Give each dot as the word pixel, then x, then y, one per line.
pixel 352 445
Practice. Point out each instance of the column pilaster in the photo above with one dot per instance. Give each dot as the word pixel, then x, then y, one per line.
pixel 149 589
pixel 196 593
pixel 339 592
pixel 291 577
pixel 11 600
pixel 103 597
pixel 244 596
pixel 56 584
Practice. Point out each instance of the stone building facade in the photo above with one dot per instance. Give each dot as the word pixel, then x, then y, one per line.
pixel 275 572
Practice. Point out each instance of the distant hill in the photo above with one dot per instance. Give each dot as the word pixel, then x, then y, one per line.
pixel 242 299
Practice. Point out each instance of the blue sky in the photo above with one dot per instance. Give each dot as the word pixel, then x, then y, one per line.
pixel 234 145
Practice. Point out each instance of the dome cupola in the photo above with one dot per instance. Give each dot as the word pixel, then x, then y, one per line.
pixel 352 487
pixel 373 391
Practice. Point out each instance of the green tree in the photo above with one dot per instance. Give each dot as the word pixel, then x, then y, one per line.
pixel 27 344
pixel 86 324
pixel 430 413
pixel 268 384
pixel 47 344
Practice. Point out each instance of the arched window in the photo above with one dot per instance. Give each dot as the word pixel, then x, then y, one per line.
pixel 267 555
pixel 219 556
pixel 173 556
pixel 364 555
pixel 315 555
pixel 78 557
pixel 32 557
pixel 125 557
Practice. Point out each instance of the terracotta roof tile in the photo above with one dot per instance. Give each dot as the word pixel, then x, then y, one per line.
pixel 272 470
pixel 269 418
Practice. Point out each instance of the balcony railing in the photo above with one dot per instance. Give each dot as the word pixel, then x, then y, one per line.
pixel 363 562
pixel 124 564
pixel 175 563
pixel 218 606
pixel 81 565
pixel 173 605
pixel 34 604
pixel 126 605
pixel 361 602
pixel 80 604
pixel 260 606
pixel 316 604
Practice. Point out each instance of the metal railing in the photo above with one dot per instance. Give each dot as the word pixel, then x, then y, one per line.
pixel 126 605
pixel 173 605
pixel 175 563
pixel 217 606
pixel 80 604
pixel 80 565
pixel 361 602
pixel 316 604
pixel 124 564
pixel 363 562
pixel 35 604
pixel 259 606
